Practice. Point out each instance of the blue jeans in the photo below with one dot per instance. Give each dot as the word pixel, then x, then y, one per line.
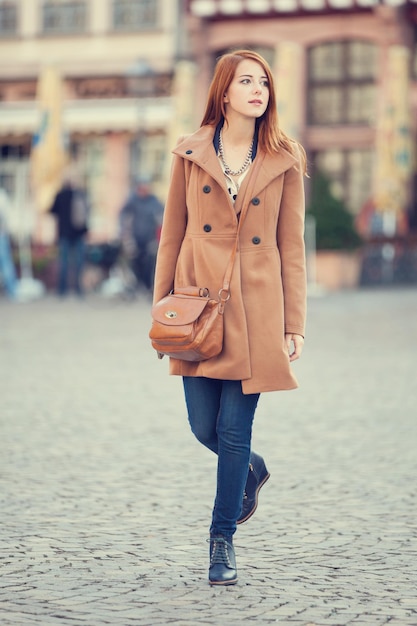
pixel 71 254
pixel 221 418
pixel 7 268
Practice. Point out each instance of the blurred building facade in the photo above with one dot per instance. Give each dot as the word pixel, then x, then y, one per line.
pixel 116 59
pixel 135 75
pixel 346 75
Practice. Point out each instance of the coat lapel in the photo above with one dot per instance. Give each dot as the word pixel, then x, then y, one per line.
pixel 271 167
pixel 200 150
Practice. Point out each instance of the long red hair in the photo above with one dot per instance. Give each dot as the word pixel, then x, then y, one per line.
pixel 271 138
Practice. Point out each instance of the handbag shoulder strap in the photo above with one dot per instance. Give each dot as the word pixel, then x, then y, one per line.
pixel 224 293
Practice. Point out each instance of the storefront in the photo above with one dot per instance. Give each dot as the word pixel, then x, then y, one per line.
pixel 115 64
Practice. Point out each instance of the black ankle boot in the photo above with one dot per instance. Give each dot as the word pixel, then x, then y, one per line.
pixel 257 476
pixel 222 562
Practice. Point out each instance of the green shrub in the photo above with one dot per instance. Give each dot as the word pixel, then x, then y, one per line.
pixel 335 227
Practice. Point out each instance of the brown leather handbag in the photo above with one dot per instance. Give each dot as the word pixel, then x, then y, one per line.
pixel 188 324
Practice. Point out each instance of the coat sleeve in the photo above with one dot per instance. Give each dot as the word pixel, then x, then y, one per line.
pixel 173 230
pixel 290 240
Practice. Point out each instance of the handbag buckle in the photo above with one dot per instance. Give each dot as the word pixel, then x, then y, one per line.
pixel 221 292
pixel 223 299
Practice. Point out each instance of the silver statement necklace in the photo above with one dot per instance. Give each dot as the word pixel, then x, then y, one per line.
pixel 246 162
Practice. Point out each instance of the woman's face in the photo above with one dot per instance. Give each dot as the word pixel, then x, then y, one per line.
pixel 248 93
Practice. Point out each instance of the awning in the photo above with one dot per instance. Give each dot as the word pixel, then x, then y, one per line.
pixel 233 8
pixel 90 116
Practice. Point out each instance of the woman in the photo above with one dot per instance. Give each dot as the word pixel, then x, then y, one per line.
pixel 238 158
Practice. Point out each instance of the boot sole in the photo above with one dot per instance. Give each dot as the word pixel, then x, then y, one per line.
pixel 223 583
pixel 252 511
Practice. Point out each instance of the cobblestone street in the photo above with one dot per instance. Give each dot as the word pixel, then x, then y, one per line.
pixel 106 496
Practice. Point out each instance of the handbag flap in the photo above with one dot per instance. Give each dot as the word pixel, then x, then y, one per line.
pixel 177 309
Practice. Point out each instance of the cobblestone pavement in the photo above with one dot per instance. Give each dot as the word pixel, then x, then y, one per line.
pixel 106 497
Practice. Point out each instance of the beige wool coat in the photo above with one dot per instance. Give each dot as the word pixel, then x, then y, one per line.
pixel 268 286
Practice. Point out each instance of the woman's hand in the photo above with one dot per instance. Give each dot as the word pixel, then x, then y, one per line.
pixel 295 345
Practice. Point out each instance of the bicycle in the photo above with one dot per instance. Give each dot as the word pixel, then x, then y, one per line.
pixel 108 276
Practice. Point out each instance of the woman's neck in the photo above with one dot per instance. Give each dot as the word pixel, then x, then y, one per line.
pixel 238 132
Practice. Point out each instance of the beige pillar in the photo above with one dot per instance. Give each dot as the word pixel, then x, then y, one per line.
pixel 182 117
pixel 100 14
pixel 30 16
pixel 288 74
pixel 115 185
pixel 393 167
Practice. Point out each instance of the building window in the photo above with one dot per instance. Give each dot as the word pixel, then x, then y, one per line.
pixel 350 173
pixel 88 155
pixel 14 151
pixel 61 17
pixel 147 154
pixel 8 19
pixel 129 15
pixel 341 83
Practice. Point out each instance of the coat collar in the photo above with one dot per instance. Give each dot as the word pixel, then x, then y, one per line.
pixel 199 149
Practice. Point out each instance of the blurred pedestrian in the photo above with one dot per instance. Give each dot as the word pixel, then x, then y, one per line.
pixel 72 211
pixel 238 160
pixel 7 266
pixel 140 223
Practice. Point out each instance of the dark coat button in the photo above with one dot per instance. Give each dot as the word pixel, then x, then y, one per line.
pixel 256 240
pixel 206 188
pixel 189 152
pixel 256 201
pixel 207 228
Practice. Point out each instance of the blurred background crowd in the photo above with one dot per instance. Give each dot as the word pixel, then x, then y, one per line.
pixel 94 93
